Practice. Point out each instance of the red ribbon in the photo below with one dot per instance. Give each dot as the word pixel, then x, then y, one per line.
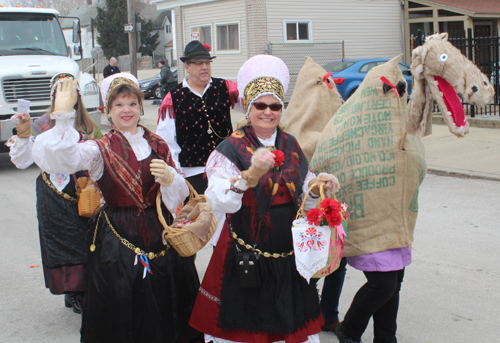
pixel 387 82
pixel 325 78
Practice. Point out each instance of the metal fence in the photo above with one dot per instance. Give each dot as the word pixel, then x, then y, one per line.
pixel 482 48
pixel 294 54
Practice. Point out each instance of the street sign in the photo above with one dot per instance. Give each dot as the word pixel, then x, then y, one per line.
pixel 129 27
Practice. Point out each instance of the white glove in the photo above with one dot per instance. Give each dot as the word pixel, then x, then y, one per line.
pixel 160 169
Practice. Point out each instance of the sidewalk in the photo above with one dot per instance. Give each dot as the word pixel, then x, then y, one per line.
pixel 476 155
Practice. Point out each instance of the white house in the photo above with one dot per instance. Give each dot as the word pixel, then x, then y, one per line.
pixel 239 29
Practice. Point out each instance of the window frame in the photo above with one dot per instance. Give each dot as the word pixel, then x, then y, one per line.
pixel 202 25
pixel 298 21
pixel 228 51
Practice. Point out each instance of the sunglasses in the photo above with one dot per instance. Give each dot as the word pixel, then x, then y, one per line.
pixel 261 106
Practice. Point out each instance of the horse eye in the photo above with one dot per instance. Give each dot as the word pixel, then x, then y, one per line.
pixel 443 57
pixel 474 89
pixel 485 83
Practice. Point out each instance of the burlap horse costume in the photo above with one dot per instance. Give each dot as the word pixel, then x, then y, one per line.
pixel 441 72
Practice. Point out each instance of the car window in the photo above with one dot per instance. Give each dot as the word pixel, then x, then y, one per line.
pixel 366 67
pixel 335 67
pixel 405 70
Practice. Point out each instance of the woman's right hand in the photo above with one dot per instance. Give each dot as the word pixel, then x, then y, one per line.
pixel 23 124
pixel 262 161
pixel 65 99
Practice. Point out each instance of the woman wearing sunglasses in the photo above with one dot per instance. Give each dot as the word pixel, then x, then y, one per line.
pixel 252 291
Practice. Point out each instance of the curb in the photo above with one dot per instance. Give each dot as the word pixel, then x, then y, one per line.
pixel 481 122
pixel 464 174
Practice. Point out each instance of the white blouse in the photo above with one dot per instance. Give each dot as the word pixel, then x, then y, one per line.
pixel 58 151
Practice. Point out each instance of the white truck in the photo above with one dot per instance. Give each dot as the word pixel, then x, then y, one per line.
pixel 32 50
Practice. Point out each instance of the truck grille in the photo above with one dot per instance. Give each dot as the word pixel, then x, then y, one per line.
pixel 36 89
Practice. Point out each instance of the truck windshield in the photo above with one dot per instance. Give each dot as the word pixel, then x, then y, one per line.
pixel 31 34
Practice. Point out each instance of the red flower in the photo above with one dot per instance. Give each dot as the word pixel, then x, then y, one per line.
pixel 314 216
pixel 332 211
pixel 334 218
pixel 279 158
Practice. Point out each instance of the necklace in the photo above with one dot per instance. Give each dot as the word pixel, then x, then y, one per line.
pixel 210 127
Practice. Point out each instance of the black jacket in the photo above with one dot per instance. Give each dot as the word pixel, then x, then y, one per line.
pixel 166 75
pixel 109 70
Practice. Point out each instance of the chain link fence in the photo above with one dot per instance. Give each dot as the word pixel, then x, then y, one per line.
pixel 294 54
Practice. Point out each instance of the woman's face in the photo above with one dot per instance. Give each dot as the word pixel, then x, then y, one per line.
pixel 264 122
pixel 125 113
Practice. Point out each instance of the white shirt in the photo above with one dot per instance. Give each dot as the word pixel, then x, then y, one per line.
pixel 57 151
pixel 166 129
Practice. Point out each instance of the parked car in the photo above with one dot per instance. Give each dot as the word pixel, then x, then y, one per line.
pixel 150 86
pixel 349 73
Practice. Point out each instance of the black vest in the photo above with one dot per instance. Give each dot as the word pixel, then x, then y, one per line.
pixel 194 135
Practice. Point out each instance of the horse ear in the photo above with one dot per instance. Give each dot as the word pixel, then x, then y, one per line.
pixel 444 36
pixel 418 97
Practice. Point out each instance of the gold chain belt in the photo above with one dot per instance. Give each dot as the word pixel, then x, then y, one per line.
pixel 51 186
pixel 129 245
pixel 249 247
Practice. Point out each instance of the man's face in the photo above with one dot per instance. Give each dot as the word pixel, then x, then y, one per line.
pixel 112 64
pixel 160 65
pixel 199 70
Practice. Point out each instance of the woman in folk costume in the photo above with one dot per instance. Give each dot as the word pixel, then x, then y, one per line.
pixel 260 191
pixel 62 230
pixel 137 289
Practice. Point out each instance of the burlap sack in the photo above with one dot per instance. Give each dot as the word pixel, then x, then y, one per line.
pixel 379 181
pixel 311 106
pixel 203 215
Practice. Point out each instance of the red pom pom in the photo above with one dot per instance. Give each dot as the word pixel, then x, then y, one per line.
pixel 207 47
pixel 279 158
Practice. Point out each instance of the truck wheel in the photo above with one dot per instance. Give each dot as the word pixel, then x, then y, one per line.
pixel 157 92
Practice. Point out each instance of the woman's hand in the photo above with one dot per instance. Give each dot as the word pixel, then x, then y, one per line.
pixel 330 182
pixel 160 169
pixel 65 99
pixel 262 161
pixel 23 124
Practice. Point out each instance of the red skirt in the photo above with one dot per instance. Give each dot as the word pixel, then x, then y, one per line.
pixel 205 315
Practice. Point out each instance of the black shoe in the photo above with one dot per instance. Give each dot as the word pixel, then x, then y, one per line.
pixel 74 300
pixel 342 338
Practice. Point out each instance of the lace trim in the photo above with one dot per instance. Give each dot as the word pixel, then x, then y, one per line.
pixel 209 296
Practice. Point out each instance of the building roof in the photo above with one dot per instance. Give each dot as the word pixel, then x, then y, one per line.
pixel 476 6
pixel 84 12
pixel 158 17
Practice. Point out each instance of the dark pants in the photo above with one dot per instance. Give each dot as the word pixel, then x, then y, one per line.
pixel 330 295
pixel 199 183
pixel 378 297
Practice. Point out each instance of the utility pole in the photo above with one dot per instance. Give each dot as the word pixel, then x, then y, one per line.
pixel 132 38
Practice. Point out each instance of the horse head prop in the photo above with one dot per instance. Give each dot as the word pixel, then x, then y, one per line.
pixel 441 73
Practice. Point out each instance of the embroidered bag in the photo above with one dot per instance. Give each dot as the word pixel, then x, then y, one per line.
pixel 318 248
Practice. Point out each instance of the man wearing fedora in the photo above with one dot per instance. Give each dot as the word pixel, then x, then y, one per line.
pixel 195 117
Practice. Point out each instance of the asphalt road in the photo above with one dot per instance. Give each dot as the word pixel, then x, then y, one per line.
pixel 450 292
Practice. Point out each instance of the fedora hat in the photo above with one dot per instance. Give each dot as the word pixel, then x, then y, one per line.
pixel 195 49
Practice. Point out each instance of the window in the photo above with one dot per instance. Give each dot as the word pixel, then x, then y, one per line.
pixel 168 28
pixel 202 33
pixel 298 31
pixel 228 37
pixel 366 67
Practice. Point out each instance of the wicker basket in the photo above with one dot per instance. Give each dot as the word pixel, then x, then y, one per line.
pixel 89 196
pixel 185 242
pixel 88 201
